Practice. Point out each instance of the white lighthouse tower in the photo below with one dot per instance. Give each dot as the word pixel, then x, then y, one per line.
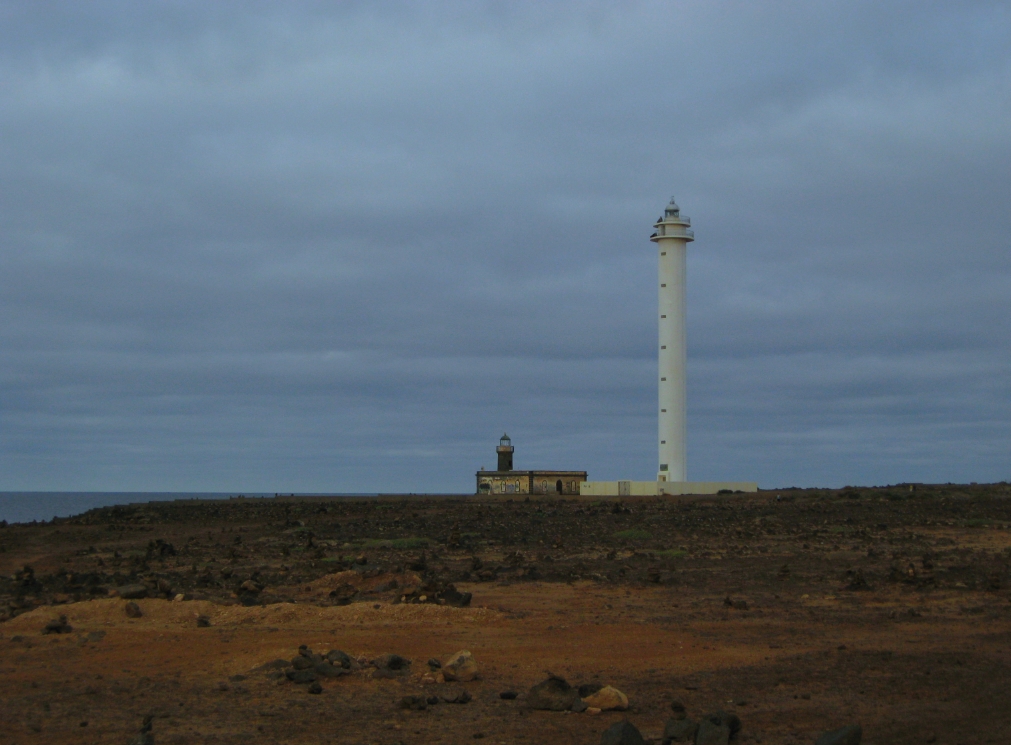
pixel 672 237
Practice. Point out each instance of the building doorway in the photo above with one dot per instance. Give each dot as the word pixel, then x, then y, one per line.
pixel 558 486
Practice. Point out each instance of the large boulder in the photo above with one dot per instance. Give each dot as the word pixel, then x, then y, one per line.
pixel 726 719
pixel 622 733
pixel 301 676
pixel 851 734
pixel 679 730
pixel 712 734
pixel 607 698
pixel 553 694
pixel 461 666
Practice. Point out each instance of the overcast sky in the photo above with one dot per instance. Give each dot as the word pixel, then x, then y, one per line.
pixel 343 247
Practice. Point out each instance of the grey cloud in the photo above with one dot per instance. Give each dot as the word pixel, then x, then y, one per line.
pixel 341 249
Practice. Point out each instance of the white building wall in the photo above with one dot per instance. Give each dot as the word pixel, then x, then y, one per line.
pixel 653 488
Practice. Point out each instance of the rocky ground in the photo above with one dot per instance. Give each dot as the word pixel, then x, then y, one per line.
pixel 274 621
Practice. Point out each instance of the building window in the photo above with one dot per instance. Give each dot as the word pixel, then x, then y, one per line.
pixel 663 378
pixel 663 253
pixel 663 346
pixel 663 285
pixel 663 442
pixel 663 466
pixel 663 316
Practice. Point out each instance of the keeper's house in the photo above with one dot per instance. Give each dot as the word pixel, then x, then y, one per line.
pixel 507 481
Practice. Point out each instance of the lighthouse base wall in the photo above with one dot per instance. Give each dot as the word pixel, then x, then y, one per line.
pixel 655 488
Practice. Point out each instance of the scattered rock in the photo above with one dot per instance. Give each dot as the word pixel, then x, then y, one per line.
pixel 390 666
pixel 578 706
pixel 592 710
pixel 679 709
pixel 461 666
pixel 607 698
pixel 133 610
pixel 301 663
pixel 622 733
pixel 553 694
pixel 132 592
pixel 203 622
pixel 508 695
pixel 250 586
pixel 315 688
pixel 679 730
pixel 434 664
pixel 414 703
pixel 57 626
pixel 851 734
pixel 337 657
pixel 456 697
pixel 588 689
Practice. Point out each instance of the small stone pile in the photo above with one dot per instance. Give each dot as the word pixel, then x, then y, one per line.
pixel 720 727
pixel 461 667
pixel 434 591
pixel 309 667
pixel 555 694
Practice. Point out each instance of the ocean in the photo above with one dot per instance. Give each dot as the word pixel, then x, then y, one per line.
pixel 25 506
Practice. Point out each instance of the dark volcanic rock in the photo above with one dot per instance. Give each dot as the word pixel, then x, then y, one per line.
pixel 588 689
pixel 679 730
pixel 133 610
pixel 58 626
pixel 508 695
pixel 301 676
pixel 622 733
pixel 315 688
pixel 712 734
pixel 203 622
pixel 391 665
pixel 337 657
pixel 851 734
pixel 456 697
pixel 553 694
pixel 725 719
pixel 414 703
pixel 301 663
pixel 327 670
pixel 132 592
pixel 679 709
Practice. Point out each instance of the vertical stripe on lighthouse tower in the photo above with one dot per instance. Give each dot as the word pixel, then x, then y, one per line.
pixel 672 237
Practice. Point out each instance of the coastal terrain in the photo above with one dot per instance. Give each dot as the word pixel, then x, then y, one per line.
pixel 798 611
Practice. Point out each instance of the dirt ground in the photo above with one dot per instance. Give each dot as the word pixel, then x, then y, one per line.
pixel 799 610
